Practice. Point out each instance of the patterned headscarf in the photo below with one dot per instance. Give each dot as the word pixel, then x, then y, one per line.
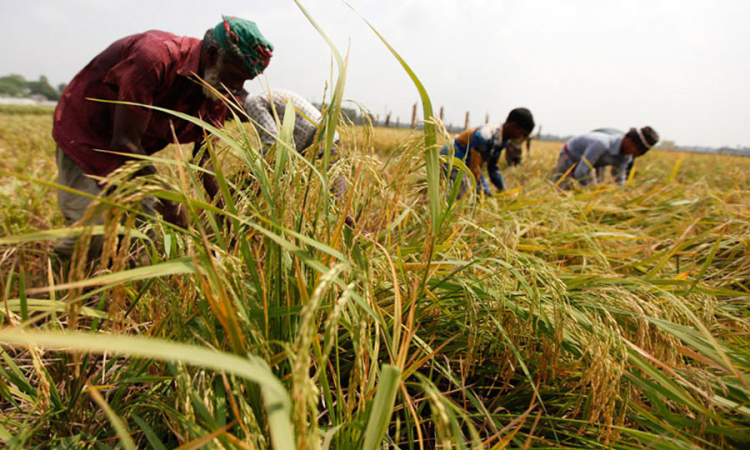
pixel 243 39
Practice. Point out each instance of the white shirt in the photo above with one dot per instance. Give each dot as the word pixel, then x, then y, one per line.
pixel 307 117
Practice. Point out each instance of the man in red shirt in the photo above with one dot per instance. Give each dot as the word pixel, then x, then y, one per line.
pixel 152 68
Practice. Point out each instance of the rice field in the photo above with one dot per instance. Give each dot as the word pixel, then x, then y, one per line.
pixel 602 317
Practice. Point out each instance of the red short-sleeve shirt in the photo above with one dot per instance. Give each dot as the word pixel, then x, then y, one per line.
pixel 152 68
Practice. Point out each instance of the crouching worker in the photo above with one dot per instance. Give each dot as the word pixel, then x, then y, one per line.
pixel 152 68
pixel 263 109
pixel 483 145
pixel 585 155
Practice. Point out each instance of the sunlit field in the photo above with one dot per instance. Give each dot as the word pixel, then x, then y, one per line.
pixel 602 317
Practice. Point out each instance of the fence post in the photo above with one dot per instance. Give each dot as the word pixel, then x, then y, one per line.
pixel 487 118
pixel 388 119
pixel 441 113
pixel 466 123
pixel 414 116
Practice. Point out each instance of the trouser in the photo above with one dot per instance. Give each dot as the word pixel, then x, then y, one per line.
pixel 339 184
pixel 454 175
pixel 564 165
pixel 74 206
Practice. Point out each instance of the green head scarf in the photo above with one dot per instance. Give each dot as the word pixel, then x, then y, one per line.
pixel 243 39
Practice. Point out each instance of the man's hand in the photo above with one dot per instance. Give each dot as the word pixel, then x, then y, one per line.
pixel 210 183
pixel 172 212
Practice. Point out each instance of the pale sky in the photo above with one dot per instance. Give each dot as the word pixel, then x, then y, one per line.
pixel 678 65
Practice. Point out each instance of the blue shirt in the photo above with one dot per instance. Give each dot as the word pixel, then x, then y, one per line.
pixel 486 142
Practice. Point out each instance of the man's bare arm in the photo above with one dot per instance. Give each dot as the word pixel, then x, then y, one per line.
pixel 129 127
pixel 210 184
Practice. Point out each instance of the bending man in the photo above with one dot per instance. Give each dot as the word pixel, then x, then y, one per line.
pixel 585 155
pixel 264 109
pixel 483 145
pixel 152 68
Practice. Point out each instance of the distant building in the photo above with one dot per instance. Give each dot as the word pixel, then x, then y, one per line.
pixel 34 100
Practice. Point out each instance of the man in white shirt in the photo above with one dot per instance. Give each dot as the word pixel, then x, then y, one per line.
pixel 264 107
pixel 260 107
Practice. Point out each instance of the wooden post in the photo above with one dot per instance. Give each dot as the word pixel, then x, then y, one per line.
pixel 414 116
pixel 487 118
pixel 388 119
pixel 441 113
pixel 466 124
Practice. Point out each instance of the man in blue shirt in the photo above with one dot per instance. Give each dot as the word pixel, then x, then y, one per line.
pixel 585 155
pixel 484 145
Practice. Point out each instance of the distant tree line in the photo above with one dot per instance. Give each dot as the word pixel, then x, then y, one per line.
pixel 17 86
